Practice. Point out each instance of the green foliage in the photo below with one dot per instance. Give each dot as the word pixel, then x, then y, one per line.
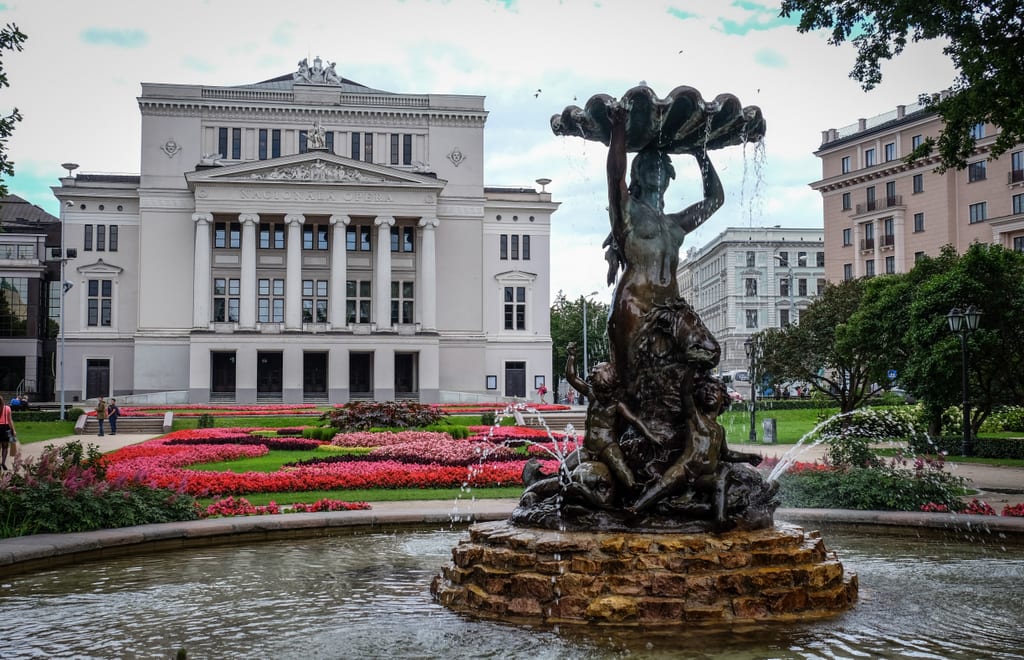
pixel 488 418
pixel 73 413
pixel 457 431
pixel 888 487
pixel 1007 418
pixel 567 327
pixel 64 491
pixel 206 421
pixel 11 38
pixel 951 445
pixel 982 40
pixel 35 416
pixel 365 415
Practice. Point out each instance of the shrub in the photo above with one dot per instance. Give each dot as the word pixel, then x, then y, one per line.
pixel 364 415
pixel 74 413
pixel 894 486
pixel 205 421
pixel 951 445
pixel 488 418
pixel 1009 418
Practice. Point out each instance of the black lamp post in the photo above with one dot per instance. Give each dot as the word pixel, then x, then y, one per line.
pixel 963 323
pixel 751 348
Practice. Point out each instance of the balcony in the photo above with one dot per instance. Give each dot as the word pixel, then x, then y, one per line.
pixel 867 244
pixel 887 240
pixel 1015 176
pixel 876 204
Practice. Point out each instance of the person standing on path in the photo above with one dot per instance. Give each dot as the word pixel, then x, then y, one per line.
pixel 113 412
pixel 101 414
pixel 6 432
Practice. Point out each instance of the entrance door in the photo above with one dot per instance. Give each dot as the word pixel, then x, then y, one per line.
pixel 360 375
pixel 407 376
pixel 222 376
pixel 515 379
pixel 269 375
pixel 314 376
pixel 97 378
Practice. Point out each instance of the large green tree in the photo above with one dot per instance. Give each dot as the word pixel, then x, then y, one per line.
pixel 823 349
pixel 11 38
pixel 985 41
pixel 567 326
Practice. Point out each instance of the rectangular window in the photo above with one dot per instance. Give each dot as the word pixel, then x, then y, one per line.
pixel 918 256
pixel 918 183
pixel 222 142
pixel 801 286
pixel 264 236
pixel 976 171
pixel 368 147
pixel 869 193
pixel 847 237
pixel 262 154
pixel 357 301
pixel 526 247
pixel 87 239
pixel 408 239
pixel 751 286
pixel 100 297
pixel 915 142
pixel 407 149
pixel 846 202
pixel 279 236
pixel 394 148
pixel 101 238
pixel 356 144
pixel 503 247
pixel 978 131
pixel 890 265
pixel 314 301
pixel 869 267
pixel 307 237
pixel 321 237
pixel 236 143
pixel 515 246
pixel 783 318
pixel 395 239
pixel 890 151
pixel 515 308
pixel 784 287
pixel 869 157
pixel 401 303
pixel 751 258
pixel 1017 167
pixel 220 235
pixel 402 239
pixel 1018 204
pixel 978 212
pixel 270 301
pixel 275 143
pixel 783 259
pixel 821 285
pixel 14 310
pixel 226 299
pixel 314 237
pixel 801 260
pixel 819 259
pixel 751 318
pixel 357 238
pixel 890 193
pixel 888 230
pixel 918 222
pixel 847 271
pixel 235 235
pixel 846 164
pixel 329 141
pixel 1018 243
pixel 303 141
pixel 112 238
pixel 364 238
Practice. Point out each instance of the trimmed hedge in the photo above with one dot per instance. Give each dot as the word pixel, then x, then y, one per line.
pixel 983 447
pixel 38 416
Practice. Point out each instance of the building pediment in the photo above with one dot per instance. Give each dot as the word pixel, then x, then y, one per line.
pixel 100 268
pixel 312 168
pixel 515 276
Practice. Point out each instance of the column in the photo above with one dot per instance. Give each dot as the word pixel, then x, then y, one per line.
pixel 339 272
pixel 877 256
pixel 293 273
pixel 899 229
pixel 201 295
pixel 426 276
pixel 247 313
pixel 382 273
pixel 858 258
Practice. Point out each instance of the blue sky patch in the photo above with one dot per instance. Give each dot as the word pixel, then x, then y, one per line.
pixel 680 14
pixel 762 17
pixel 772 59
pixel 119 38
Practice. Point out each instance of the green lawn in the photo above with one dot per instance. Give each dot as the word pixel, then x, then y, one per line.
pixel 790 425
pixel 29 432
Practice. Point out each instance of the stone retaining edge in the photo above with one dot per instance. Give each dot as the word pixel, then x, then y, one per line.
pixel 27 553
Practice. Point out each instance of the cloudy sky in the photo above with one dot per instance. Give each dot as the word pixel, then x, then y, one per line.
pixel 77 80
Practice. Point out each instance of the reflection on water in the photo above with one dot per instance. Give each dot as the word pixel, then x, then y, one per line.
pixel 367 597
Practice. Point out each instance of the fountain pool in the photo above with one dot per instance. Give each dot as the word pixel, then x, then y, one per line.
pixel 368 596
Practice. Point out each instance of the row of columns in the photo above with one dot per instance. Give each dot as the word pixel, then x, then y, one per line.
pixel 426 265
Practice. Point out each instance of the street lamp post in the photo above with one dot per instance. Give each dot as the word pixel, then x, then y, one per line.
pixel 789 270
pixel 64 286
pixel 751 348
pixel 963 323
pixel 586 357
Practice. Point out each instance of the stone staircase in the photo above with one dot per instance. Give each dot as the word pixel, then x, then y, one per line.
pixel 556 420
pixel 87 425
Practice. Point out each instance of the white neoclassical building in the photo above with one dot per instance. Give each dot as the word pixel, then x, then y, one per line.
pixel 306 238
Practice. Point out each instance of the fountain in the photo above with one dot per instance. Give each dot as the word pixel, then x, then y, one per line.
pixel 655 521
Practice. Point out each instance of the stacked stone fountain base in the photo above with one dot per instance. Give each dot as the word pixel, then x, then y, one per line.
pixel 645 579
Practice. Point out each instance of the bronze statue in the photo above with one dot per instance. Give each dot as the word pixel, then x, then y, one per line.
pixel 654 455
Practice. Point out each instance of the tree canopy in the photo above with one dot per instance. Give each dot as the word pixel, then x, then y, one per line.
pixel 985 43
pixel 567 326
pixel 11 38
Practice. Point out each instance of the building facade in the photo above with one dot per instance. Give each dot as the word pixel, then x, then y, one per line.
pixel 748 279
pixel 303 239
pixel 882 214
pixel 29 279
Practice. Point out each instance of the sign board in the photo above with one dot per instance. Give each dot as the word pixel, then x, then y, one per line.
pixel 891 374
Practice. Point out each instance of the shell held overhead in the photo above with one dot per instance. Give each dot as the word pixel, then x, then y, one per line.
pixel 683 122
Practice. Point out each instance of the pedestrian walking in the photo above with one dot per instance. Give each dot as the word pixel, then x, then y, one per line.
pixel 7 436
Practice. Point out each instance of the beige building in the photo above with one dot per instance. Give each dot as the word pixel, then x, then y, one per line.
pixel 881 214
pixel 748 279
pixel 306 238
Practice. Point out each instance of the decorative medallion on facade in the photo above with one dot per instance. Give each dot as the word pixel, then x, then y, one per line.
pixel 456 156
pixel 171 148
pixel 317 171
pixel 316 74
